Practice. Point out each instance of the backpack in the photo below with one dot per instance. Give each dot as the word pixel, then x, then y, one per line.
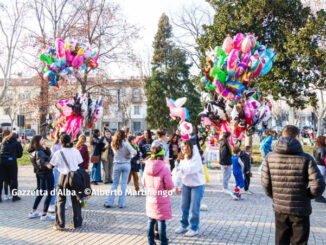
pixel 78 180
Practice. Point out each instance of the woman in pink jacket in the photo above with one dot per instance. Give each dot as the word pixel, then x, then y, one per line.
pixel 158 181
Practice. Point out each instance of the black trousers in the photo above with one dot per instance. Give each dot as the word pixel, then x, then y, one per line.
pixel 9 172
pixel 61 203
pixel 291 229
pixel 246 178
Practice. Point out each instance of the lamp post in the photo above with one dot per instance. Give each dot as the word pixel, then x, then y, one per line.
pixel 118 100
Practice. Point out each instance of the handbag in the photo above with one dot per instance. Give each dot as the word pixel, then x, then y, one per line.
pixel 95 159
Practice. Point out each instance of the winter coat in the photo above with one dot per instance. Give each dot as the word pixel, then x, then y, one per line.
pixel 266 145
pixel 145 148
pixel 83 149
pixel 225 153
pixel 245 158
pixel 134 161
pixel 39 158
pixel 291 178
pixel 237 171
pixel 11 148
pixel 319 155
pixel 157 178
pixel 98 146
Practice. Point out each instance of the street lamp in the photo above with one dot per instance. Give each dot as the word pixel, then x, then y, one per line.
pixel 119 116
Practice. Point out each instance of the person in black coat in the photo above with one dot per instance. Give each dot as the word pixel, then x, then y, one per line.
pixel 134 169
pixel 98 147
pixel 40 155
pixel 246 159
pixel 225 160
pixel 10 150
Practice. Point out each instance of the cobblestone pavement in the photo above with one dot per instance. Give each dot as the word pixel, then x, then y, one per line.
pixel 249 221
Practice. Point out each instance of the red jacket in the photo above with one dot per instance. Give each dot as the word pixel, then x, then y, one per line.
pixel 83 149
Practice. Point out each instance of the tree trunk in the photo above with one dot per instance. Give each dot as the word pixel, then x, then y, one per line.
pixel 320 128
pixel 44 106
pixel 291 116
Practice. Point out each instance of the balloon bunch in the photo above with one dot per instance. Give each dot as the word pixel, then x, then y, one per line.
pixel 176 110
pixel 65 59
pixel 76 113
pixel 228 73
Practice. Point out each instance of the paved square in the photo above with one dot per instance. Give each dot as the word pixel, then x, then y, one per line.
pixel 249 221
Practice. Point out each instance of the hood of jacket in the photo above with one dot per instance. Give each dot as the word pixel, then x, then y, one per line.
pixel 153 167
pixel 288 145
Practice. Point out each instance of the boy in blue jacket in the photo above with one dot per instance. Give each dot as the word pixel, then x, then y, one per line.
pixel 237 165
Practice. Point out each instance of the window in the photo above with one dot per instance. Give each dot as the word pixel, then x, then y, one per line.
pixel 136 110
pixel 136 126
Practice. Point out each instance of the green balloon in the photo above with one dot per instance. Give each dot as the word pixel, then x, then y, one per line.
pixel 221 56
pixel 255 48
pixel 46 59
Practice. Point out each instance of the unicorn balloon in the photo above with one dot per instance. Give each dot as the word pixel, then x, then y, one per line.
pixel 176 109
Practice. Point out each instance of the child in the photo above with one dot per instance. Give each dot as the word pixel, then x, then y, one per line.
pixel 237 165
pixel 157 179
pixel 245 157
pixel 134 164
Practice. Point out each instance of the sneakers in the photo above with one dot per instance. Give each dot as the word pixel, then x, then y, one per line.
pixel 181 230
pixel 51 209
pixel 248 192
pixel 47 217
pixel 203 207
pixel 33 215
pixel 191 233
pixel 7 197
pixel 320 199
pixel 107 206
pixel 58 228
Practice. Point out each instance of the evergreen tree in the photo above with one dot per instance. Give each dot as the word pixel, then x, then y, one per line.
pixel 276 24
pixel 170 79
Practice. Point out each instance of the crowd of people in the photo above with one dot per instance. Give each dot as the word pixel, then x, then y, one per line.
pixel 289 176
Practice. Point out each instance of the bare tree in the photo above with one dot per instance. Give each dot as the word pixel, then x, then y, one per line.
pixel 189 27
pixel 11 25
pixel 55 19
pixel 102 25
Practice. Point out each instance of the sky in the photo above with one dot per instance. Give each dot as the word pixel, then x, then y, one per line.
pixel 145 14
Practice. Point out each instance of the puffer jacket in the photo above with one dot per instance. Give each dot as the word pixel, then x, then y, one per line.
pixel 39 158
pixel 291 178
pixel 11 148
pixel 157 179
pixel 319 155
pixel 225 153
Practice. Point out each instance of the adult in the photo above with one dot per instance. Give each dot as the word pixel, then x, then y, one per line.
pixel 83 149
pixel 123 152
pixel 98 147
pixel 10 150
pixel 291 178
pixel 67 159
pixel 107 158
pixel 174 150
pixel 162 140
pixel 40 155
pixel 225 160
pixel 191 172
pixel 56 146
pixel 144 146
pixel 319 155
pixel 266 145
pixel 6 182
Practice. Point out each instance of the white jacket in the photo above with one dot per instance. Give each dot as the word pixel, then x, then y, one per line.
pixel 192 170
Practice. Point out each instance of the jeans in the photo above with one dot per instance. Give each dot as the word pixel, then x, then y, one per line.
pixel 291 229
pixel 226 176
pixel 161 231
pixel 191 199
pixel 56 175
pixel 96 172
pixel 322 170
pixel 108 168
pixel 46 185
pixel 123 170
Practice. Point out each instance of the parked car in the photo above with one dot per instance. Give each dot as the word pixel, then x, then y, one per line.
pixel 27 134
